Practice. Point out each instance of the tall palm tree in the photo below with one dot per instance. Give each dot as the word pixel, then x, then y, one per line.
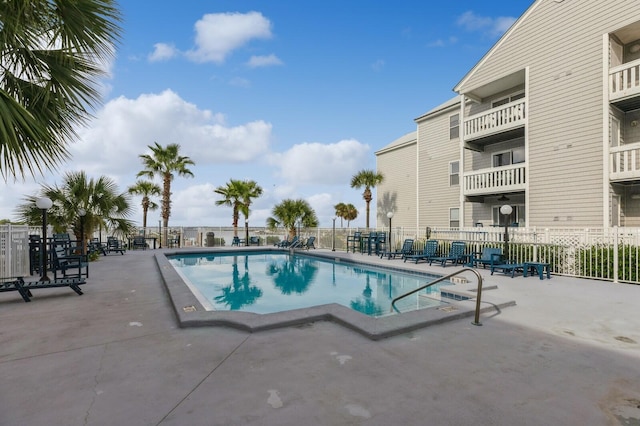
pixel 164 162
pixel 104 205
pixel 51 55
pixel 146 189
pixel 367 179
pixel 248 191
pixel 232 197
pixel 289 212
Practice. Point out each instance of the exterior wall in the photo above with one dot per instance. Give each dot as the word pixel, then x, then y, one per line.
pixel 562 46
pixel 435 152
pixel 397 192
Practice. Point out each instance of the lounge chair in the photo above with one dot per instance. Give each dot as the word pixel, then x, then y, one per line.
pixel 456 255
pixel 353 241
pixel 309 243
pixel 95 246
pixel 24 287
pixel 430 251
pixel 407 249
pixel 295 243
pixel 489 256
pixel 282 243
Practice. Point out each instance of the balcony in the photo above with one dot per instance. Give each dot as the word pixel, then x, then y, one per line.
pixel 624 163
pixel 497 120
pixel 624 81
pixel 495 181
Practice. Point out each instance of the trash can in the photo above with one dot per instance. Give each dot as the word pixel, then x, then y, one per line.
pixel 211 239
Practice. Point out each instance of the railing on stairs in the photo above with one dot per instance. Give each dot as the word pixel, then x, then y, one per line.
pixel 446 277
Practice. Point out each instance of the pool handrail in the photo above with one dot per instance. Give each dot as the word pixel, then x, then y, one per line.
pixel 478 296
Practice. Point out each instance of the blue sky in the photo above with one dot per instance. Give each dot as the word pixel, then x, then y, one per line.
pixel 294 95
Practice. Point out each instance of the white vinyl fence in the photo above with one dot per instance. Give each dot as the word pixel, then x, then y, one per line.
pixel 599 253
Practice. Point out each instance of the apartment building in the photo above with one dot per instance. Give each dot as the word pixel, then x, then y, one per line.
pixel 547 122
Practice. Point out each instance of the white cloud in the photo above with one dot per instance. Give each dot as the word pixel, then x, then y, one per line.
pixel 124 128
pixel 162 52
pixel 318 163
pixel 218 34
pixel 493 27
pixel 264 61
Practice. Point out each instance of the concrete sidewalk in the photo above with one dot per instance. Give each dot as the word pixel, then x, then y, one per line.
pixel 567 354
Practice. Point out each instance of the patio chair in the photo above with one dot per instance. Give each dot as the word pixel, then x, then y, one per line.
pixel 430 251
pixel 353 241
pixel 489 256
pixel 380 243
pixel 67 264
pixel 236 241
pixel 295 242
pixel 254 241
pixel 115 246
pixel 95 246
pixel 456 255
pixel 139 242
pixel 407 249
pixel 370 243
pixel 282 243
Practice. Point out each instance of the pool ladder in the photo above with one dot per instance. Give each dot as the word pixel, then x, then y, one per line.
pixel 478 296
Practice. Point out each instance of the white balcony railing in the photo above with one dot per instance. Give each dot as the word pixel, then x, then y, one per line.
pixel 624 80
pixel 624 162
pixel 496 180
pixel 499 119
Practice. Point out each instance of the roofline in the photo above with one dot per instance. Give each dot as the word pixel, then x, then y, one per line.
pixel 398 146
pixel 502 39
pixel 450 104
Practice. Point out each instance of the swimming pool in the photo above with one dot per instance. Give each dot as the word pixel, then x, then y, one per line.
pixel 265 282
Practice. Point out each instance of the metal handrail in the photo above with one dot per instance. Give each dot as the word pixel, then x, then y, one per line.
pixel 478 297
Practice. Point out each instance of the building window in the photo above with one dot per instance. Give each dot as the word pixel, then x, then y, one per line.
pixel 506 158
pixel 516 218
pixel 506 100
pixel 454 173
pixel 454 126
pixel 454 217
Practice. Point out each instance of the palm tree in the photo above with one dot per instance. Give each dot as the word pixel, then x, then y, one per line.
pixel 289 212
pixel 146 189
pixel 367 179
pixel 104 205
pixel 52 54
pixel 248 190
pixel 238 195
pixel 232 197
pixel 164 162
pixel 341 211
pixel 350 214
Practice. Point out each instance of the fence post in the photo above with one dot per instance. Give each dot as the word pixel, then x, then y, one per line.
pixel 615 254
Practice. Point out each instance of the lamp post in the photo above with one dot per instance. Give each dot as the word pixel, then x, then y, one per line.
pixel 82 213
pixel 390 215
pixel 246 232
pixel 44 204
pixel 506 211
pixel 333 243
pixel 160 233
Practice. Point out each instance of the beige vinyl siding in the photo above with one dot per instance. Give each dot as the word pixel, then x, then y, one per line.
pixel 397 192
pixel 435 152
pixel 561 45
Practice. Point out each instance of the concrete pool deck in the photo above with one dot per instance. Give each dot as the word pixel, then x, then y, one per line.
pixel 567 353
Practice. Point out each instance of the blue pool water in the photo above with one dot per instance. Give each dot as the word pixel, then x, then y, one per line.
pixel 268 282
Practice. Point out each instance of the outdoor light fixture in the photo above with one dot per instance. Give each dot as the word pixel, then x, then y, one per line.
pixel 333 244
pixel 82 213
pixel 390 215
pixel 246 232
pixel 44 204
pixel 506 210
